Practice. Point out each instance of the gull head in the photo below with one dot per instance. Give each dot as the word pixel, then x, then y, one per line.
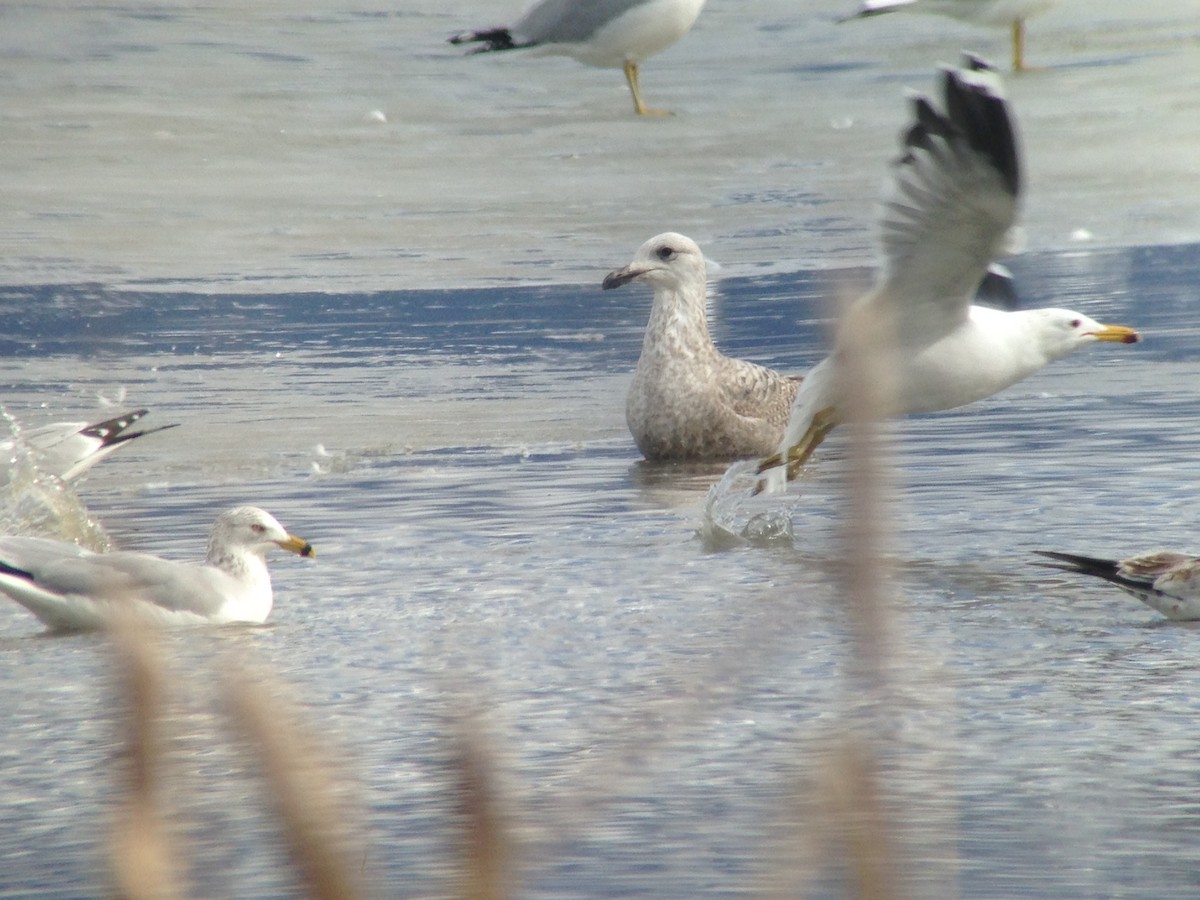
pixel 1063 331
pixel 667 261
pixel 253 530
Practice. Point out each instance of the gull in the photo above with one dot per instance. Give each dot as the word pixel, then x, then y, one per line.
pixel 1164 580
pixel 1010 13
pixel 70 588
pixel 688 401
pixel 952 201
pixel 68 449
pixel 616 34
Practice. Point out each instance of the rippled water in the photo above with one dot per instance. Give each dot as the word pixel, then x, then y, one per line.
pixel 490 547
pixel 389 332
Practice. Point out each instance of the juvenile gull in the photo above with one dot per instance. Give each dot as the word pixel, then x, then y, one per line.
pixel 70 588
pixel 69 449
pixel 1009 13
pixel 616 34
pixel 1164 580
pixel 688 401
pixel 952 201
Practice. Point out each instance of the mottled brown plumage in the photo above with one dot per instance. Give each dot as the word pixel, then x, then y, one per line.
pixel 688 401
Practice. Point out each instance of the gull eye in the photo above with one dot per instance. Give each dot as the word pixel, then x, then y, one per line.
pixel 1075 323
pixel 258 529
pixel 665 253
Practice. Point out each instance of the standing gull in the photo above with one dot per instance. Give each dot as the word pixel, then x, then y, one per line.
pixel 70 588
pixel 688 401
pixel 1164 580
pixel 1009 13
pixel 952 201
pixel 616 34
pixel 69 449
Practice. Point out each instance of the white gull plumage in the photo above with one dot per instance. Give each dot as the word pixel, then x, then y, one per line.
pixel 69 449
pixel 70 588
pixel 616 34
pixel 952 202
pixel 1165 580
pixel 1008 13
pixel 688 401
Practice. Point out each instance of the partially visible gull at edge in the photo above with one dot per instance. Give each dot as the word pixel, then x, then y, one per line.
pixel 70 589
pixel 1008 13
pixel 1164 580
pixel 688 401
pixel 617 34
pixel 68 450
pixel 951 204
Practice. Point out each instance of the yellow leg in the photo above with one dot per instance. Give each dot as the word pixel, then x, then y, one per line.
pixel 798 454
pixel 1018 42
pixel 631 75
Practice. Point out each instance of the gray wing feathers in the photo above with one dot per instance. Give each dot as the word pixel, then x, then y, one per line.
pixel 569 21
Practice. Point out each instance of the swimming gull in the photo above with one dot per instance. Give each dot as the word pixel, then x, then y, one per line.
pixel 69 449
pixel 952 201
pixel 70 588
pixel 1164 580
pixel 605 33
pixel 1010 13
pixel 688 401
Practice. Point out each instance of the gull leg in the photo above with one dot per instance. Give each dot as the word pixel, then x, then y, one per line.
pixel 631 75
pixel 1018 44
pixel 798 454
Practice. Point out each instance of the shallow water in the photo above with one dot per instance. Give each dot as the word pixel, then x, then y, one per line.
pixel 489 546
pixel 394 339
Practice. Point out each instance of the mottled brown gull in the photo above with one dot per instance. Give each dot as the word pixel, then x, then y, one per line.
pixel 616 34
pixel 951 205
pixel 70 588
pixel 688 401
pixel 1165 580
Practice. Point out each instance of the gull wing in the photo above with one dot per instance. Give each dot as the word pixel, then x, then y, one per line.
pixel 952 200
pixel 569 21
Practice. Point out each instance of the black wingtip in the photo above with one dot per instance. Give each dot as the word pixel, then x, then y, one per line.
pixel 1108 569
pixel 114 430
pixel 6 569
pixel 976 108
pixel 492 39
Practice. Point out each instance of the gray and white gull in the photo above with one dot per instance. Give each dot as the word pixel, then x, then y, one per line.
pixel 70 588
pixel 952 202
pixel 68 450
pixel 617 34
pixel 689 401
pixel 1008 13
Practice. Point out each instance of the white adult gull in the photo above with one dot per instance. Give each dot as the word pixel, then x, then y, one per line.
pixel 689 401
pixel 69 449
pixel 69 588
pixel 616 34
pixel 1008 13
pixel 1165 580
pixel 952 202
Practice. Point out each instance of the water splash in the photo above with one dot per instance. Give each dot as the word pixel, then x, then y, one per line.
pixel 735 516
pixel 35 503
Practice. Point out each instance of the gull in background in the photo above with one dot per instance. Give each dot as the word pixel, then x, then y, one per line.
pixel 70 589
pixel 69 449
pixel 615 34
pixel 688 401
pixel 952 202
pixel 1009 13
pixel 1164 580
